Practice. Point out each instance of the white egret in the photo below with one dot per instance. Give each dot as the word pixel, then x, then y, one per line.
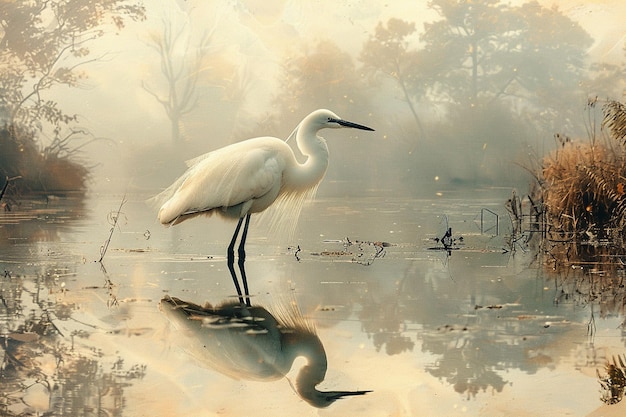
pixel 248 342
pixel 249 176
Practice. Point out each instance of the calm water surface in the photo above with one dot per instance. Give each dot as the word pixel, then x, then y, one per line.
pixel 472 331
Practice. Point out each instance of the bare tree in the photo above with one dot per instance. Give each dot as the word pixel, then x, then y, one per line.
pixel 181 75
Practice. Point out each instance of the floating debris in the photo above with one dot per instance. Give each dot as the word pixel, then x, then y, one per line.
pixel 361 252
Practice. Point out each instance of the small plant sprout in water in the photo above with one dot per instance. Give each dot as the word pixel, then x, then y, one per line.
pixel 113 219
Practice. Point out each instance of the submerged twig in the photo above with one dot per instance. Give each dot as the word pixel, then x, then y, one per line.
pixel 6 184
pixel 110 287
pixel 113 218
pixel 7 180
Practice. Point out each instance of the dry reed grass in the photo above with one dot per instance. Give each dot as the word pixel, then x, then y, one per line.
pixel 582 187
pixel 583 190
pixel 584 183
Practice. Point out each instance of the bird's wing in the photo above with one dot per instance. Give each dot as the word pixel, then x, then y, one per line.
pixel 238 341
pixel 228 177
pixel 194 161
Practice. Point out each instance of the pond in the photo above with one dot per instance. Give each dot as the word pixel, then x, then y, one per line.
pixel 477 328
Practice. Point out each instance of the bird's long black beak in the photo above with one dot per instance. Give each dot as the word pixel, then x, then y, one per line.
pixel 330 397
pixel 346 123
pixel 335 395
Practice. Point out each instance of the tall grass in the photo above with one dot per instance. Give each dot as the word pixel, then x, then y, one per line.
pixel 583 183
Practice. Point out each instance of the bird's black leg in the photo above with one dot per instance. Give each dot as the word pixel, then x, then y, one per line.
pixel 231 246
pixel 242 259
pixel 231 260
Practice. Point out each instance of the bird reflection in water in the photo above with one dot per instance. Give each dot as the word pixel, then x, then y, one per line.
pixel 249 342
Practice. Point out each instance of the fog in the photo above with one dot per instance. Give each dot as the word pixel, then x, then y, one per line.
pixel 420 290
pixel 262 66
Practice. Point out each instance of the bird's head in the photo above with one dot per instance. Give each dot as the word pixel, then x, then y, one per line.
pixel 309 346
pixel 321 119
pixel 305 386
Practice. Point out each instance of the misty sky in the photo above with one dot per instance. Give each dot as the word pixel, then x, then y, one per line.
pixel 255 37
pixel 265 32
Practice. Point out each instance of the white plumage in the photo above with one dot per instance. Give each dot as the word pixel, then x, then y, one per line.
pixel 247 177
pixel 250 176
pixel 242 178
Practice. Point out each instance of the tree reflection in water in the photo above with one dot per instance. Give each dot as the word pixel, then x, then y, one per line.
pixel 475 340
pixel 44 371
pixel 383 322
pixel 474 329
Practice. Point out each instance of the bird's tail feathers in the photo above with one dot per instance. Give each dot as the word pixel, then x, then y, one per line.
pixel 160 199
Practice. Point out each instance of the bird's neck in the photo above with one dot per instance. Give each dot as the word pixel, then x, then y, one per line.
pixel 310 347
pixel 311 172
